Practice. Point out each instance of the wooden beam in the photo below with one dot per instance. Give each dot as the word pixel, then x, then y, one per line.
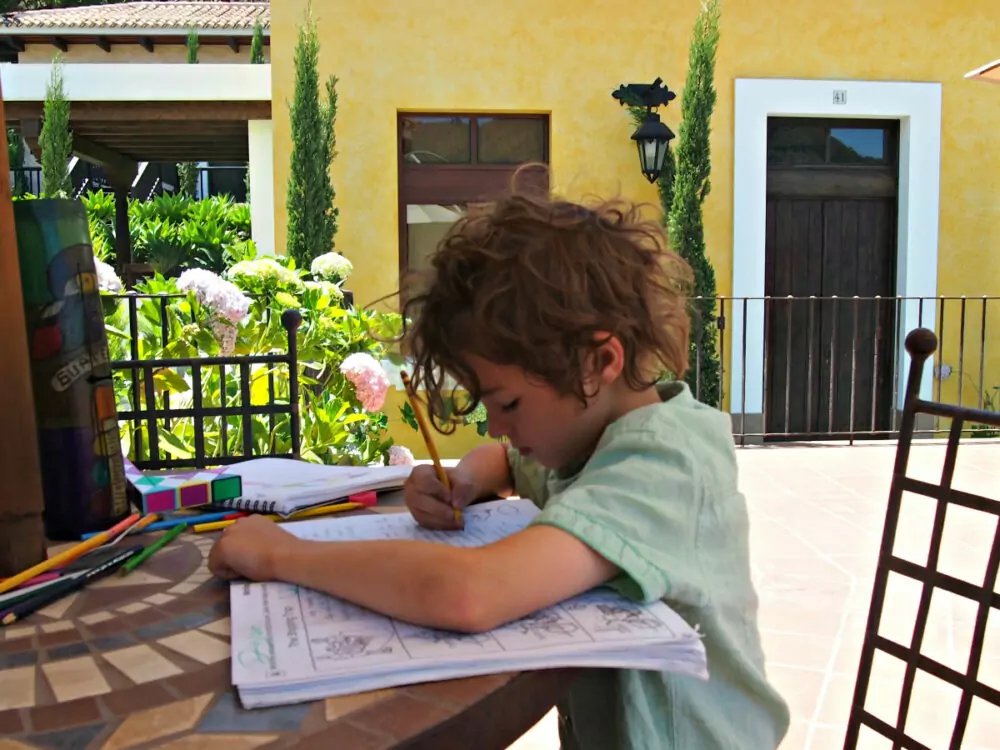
pixel 60 44
pixel 103 43
pixel 217 111
pixel 13 42
pixel 234 44
pixel 115 163
pixel 22 533
pixel 147 43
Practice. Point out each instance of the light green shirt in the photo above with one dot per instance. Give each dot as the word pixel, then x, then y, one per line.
pixel 659 498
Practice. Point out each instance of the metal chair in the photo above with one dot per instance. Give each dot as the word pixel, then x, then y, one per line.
pixel 920 344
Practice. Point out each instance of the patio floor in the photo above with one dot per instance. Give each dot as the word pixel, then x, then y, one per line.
pixel 816 522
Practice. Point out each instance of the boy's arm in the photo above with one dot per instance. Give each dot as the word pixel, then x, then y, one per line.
pixel 489 470
pixel 435 585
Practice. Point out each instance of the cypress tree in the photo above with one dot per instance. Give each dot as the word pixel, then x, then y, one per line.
pixel 192 47
pixel 312 218
pixel 691 185
pixel 257 43
pixel 187 173
pixel 55 139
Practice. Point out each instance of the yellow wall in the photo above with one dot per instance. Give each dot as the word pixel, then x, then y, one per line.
pixel 133 53
pixel 564 58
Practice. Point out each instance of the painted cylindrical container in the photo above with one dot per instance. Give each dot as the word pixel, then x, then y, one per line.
pixel 83 475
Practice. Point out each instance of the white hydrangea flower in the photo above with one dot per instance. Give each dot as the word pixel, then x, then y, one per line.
pixel 328 288
pixel 107 279
pixel 266 269
pixel 222 297
pixel 332 266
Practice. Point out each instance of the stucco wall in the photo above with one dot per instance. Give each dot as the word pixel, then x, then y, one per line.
pixel 564 59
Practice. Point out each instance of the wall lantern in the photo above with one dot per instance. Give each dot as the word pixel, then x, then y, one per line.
pixel 652 137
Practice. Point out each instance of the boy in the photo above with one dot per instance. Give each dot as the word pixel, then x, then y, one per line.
pixel 561 320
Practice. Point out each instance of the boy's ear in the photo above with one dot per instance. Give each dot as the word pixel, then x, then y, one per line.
pixel 609 358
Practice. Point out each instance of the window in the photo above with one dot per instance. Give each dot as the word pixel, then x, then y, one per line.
pixel 449 161
pixel 795 142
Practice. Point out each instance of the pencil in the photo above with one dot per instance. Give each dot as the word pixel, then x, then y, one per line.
pixel 300 516
pixel 139 559
pixel 67 555
pixel 431 448
pixel 58 591
pixel 169 523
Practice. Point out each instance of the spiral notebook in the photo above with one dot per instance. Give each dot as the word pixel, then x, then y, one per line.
pixel 285 486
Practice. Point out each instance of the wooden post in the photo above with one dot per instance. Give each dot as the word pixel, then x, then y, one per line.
pixel 22 534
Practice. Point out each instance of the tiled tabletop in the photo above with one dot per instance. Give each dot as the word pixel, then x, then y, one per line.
pixel 143 662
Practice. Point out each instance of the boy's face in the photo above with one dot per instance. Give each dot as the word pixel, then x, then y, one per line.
pixel 554 430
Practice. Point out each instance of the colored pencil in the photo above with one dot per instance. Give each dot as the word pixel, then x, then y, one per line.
pixel 139 559
pixel 71 554
pixel 58 591
pixel 428 440
pixel 169 523
pixel 302 515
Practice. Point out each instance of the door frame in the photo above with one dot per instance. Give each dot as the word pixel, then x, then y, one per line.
pixel 918 108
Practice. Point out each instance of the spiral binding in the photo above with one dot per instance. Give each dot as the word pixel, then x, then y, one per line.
pixel 254 506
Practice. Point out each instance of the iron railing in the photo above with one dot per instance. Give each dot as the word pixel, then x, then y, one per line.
pixel 146 409
pixel 832 368
pixel 979 592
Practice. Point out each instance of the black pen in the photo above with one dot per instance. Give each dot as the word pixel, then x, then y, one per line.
pixel 61 589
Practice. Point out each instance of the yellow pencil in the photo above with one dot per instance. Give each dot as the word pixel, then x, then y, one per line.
pixel 431 448
pixel 311 513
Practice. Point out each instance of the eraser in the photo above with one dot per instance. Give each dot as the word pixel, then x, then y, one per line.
pixel 369 499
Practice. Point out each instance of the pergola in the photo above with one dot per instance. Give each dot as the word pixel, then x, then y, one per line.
pixel 131 103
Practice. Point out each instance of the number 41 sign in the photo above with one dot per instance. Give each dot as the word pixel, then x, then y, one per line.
pixel 839 96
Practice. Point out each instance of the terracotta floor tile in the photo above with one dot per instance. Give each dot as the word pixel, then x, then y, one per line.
pixel 95 617
pixel 56 627
pixel 58 608
pixel 75 678
pixel 159 599
pixel 133 607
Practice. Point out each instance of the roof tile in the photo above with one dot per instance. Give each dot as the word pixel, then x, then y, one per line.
pixel 161 14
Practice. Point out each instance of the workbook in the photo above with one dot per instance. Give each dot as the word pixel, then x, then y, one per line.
pixel 286 486
pixel 292 644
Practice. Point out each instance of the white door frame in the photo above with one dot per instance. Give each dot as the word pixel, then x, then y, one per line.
pixel 917 106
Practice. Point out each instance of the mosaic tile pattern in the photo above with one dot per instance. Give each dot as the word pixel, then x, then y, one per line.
pixel 142 662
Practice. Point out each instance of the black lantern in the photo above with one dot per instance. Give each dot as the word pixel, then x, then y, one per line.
pixel 652 137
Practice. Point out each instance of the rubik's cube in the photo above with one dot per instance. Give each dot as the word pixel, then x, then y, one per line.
pixel 165 492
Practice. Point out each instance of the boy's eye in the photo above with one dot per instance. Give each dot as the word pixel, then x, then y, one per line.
pixel 510 406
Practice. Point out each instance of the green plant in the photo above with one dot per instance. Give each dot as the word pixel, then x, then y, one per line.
pixel 192 47
pixel 335 427
pixel 691 186
pixel 15 157
pixel 55 139
pixel 312 217
pixel 257 43
pixel 991 402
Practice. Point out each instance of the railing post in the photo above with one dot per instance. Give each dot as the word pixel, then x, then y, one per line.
pixel 291 320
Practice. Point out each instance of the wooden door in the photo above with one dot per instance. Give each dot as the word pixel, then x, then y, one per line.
pixel 831 236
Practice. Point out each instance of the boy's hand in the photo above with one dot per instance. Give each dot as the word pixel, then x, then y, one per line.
pixel 430 502
pixel 248 549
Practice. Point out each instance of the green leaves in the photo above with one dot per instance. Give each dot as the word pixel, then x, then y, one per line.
pixel 335 428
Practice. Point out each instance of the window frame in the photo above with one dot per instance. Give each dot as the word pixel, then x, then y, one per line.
pixel 450 184
pixel 889 128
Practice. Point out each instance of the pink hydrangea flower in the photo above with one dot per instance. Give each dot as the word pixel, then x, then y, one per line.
pixel 400 455
pixel 369 380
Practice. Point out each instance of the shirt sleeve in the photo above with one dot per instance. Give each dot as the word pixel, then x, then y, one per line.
pixel 529 478
pixel 637 504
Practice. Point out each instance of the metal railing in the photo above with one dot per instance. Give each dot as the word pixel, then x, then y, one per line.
pixel 150 413
pixel 814 368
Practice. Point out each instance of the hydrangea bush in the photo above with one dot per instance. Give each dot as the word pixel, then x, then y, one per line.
pixel 343 387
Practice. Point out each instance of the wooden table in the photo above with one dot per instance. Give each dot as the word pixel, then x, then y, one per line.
pixel 143 662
